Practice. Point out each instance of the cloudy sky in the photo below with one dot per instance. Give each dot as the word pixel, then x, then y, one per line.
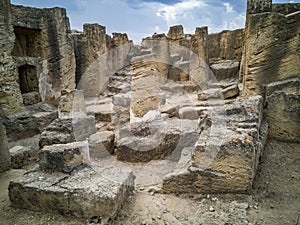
pixel 141 18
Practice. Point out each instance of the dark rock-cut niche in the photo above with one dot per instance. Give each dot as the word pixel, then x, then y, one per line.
pixel 27 42
pixel 28 80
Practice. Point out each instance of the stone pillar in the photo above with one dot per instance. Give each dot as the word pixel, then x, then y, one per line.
pixel 201 39
pixel 4 152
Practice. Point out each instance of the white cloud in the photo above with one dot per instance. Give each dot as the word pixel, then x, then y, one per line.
pixel 140 18
pixel 229 8
pixel 171 12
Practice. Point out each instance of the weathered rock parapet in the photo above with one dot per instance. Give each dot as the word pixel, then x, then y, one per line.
pixel 286 8
pixel 259 6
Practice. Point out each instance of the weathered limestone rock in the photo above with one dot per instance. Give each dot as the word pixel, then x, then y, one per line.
pixel 71 104
pixel 176 32
pixel 31 98
pixel 34 57
pixel 22 156
pixel 225 69
pixel 4 152
pixel 212 93
pixel 192 113
pixel 36 35
pixel 97 192
pixel 286 8
pixel 89 45
pixel 171 109
pixel 254 6
pixel 222 160
pixel 145 142
pixel 100 57
pixel 226 45
pixel 159 139
pixel 147 75
pixel 119 82
pixel 270 52
pixel 63 158
pixel 10 94
pixel 121 108
pixel 187 52
pixel 119 39
pixel 231 91
pixel 101 109
pixel 101 144
pixel 283 104
pixel 62 131
pixel 29 122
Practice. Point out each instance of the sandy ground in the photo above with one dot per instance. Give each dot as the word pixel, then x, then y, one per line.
pixel 275 199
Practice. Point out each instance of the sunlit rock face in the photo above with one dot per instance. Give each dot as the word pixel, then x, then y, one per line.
pixel 198 106
pixel 270 55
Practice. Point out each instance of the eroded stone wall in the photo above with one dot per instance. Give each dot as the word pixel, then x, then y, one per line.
pixel 271 50
pixel 10 95
pixel 98 55
pixel 52 42
pixel 35 46
pixel 226 45
pixel 270 59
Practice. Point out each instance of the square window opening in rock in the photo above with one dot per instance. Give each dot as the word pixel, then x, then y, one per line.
pixel 28 79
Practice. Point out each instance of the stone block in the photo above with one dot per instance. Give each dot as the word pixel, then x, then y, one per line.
pixel 282 108
pixel 28 123
pixel 71 104
pixel 231 91
pixel 212 93
pixel 224 158
pixel 225 69
pixel 63 158
pixel 102 112
pixel 101 144
pixel 146 142
pixel 31 98
pixel 22 156
pixel 192 113
pixel 90 193
pixel 62 131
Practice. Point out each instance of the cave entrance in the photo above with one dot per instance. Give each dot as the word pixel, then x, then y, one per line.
pixel 27 42
pixel 28 80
